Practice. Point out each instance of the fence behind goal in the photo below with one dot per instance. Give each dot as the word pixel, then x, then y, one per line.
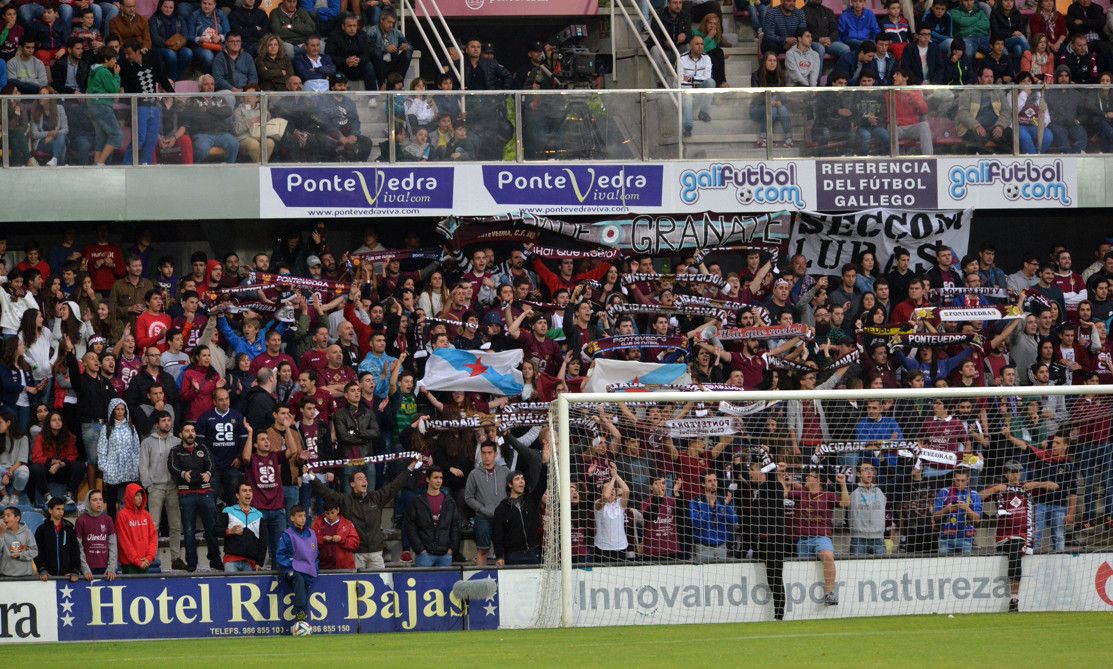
pixel 704 507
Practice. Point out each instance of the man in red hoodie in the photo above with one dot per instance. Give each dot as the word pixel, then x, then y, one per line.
pixel 337 538
pixel 136 532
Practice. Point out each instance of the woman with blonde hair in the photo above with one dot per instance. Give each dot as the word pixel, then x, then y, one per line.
pixel 272 64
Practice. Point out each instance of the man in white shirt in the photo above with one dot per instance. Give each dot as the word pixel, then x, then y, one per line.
pixel 695 72
pixel 803 63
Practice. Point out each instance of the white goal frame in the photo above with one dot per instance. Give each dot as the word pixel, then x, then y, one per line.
pixel 563 404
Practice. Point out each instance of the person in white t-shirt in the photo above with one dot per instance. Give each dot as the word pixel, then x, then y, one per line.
pixel 695 72
pixel 611 543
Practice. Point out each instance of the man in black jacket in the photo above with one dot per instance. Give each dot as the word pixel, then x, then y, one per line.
pixel 764 523
pixel 517 522
pixel 365 510
pixel 431 523
pixel 150 375
pixel 71 74
pixel 191 466
pixel 59 553
pixel 93 392
pixel 357 429
pixel 259 402
pixel 141 72
pixel 350 51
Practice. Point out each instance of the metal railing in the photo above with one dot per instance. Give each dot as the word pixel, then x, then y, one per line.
pixel 603 125
pixel 436 34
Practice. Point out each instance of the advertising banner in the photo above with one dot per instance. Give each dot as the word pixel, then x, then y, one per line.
pixel 743 186
pixel 28 612
pixel 1008 183
pixel 568 189
pixel 858 184
pixel 830 240
pixel 480 8
pixel 355 191
pixel 169 608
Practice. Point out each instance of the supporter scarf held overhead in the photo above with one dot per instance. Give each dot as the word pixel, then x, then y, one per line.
pixel 709 279
pixel 551 252
pixel 620 308
pixel 594 349
pixel 958 315
pixel 767 332
pixel 323 286
pixel 428 254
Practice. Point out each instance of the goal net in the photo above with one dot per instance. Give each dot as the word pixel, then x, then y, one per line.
pixel 672 506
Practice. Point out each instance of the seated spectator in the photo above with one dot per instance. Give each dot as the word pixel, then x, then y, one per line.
pixel 1081 60
pixel 871 117
pixel 233 68
pixel 49 129
pixel 779 27
pixel 246 126
pixel 1086 18
pixel 174 143
pixel 1040 62
pixel 1006 22
pixel 824 25
pixel 15 452
pixel 293 26
pixel 251 22
pixel 1000 61
pixel 208 119
pixel 1047 21
pixel 71 73
pixel 695 72
pixel 88 29
pixel 12 31
pixel 1032 115
pixel 324 12
pixel 18 549
pixel 858 25
pixel 350 51
pixel 956 69
pixel 984 117
pixel 272 64
pixel 208 28
pixel 1100 121
pixel 342 124
pixel 391 52
pixel 711 30
pixel 770 74
pixel 314 68
pixel 853 62
pixel 26 72
pixel 896 26
pixel 802 63
pixel 128 24
pixel 922 58
pixel 939 21
pixel 49 34
pixel 884 61
pixel 168 37
pixel 911 110
pixel 420 107
pixel 834 118
pixel 971 24
pixel 1066 105
pixel 677 22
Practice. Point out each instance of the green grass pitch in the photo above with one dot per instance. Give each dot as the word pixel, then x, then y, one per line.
pixel 1066 640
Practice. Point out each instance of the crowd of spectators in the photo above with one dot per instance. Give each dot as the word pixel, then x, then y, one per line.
pixel 111 48
pixel 174 392
pixel 951 43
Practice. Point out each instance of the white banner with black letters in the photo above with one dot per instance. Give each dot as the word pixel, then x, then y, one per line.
pixel 829 241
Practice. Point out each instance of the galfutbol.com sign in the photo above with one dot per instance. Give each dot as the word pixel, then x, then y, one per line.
pixel 678 188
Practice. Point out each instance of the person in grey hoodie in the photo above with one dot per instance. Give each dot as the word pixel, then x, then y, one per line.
pixel 867 514
pixel 18 549
pixel 485 489
pixel 154 474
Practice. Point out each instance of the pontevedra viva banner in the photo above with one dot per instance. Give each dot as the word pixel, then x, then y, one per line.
pixel 676 188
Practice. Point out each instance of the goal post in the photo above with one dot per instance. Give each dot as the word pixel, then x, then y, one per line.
pixel 667 424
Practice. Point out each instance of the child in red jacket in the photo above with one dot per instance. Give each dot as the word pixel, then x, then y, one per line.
pixel 336 538
pixel 136 532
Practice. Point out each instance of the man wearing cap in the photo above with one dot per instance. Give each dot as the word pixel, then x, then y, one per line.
pixel 532 71
pixel 314 262
pixel 344 125
pixel 351 52
pixel 1014 520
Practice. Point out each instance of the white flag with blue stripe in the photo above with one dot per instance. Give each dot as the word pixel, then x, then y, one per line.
pixel 605 372
pixel 474 371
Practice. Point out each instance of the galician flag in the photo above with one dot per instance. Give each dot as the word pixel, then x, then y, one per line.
pixel 605 372
pixel 474 371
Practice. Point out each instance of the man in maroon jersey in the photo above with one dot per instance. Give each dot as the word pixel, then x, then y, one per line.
pixel 262 466
pixel 316 357
pixel 322 399
pixel 1014 521
pixel 273 356
pixel 1071 283
pixel 535 341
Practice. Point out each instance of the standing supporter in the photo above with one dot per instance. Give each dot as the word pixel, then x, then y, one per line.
pixel 357 431
pixel 432 523
pixel 162 493
pixel 298 558
pixel 957 511
pixel 516 523
pixel 287 440
pixel 868 514
pixel 764 504
pixel 611 544
pixel 136 532
pixel 485 490
pixel 659 532
pixel 812 526
pixel 96 537
pixel 244 547
pixel 118 453
pixel 15 454
pixel 262 471
pixel 1055 507
pixel 713 520
pixel 59 553
pixel 337 538
pixel 1014 521
pixel 18 549
pixel 365 510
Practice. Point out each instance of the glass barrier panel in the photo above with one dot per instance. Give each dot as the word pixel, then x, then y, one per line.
pixel 57 130
pixel 581 125
pixel 325 127
pixel 460 127
pixel 724 123
pixel 970 120
pixel 796 114
pixel 661 125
